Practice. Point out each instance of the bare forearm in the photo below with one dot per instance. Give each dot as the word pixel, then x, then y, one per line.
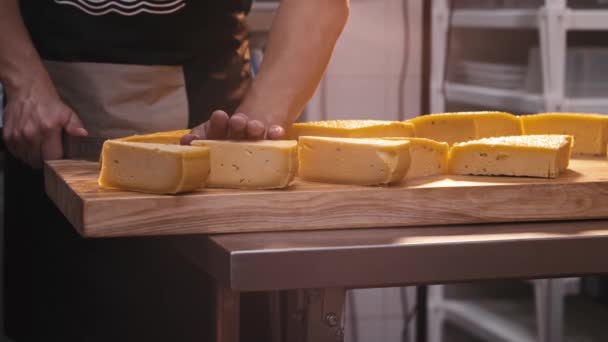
pixel 20 64
pixel 300 45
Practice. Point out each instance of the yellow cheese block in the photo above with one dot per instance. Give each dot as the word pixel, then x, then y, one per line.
pixel 263 164
pixel 465 126
pixel 590 131
pixel 526 155
pixel 428 157
pixel 449 128
pixel 153 168
pixel 352 129
pixel 496 124
pixel 353 161
pixel 167 137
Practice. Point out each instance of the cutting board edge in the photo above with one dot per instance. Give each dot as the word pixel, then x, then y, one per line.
pixel 63 196
pixel 478 212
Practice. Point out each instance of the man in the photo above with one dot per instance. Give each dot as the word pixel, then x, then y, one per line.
pixel 77 72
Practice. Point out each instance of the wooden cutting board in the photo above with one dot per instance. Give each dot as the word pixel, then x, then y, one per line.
pixel 580 193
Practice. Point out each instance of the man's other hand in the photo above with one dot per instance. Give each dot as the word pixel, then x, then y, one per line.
pixel 33 123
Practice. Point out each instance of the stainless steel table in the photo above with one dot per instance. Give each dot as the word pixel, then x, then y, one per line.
pixel 312 269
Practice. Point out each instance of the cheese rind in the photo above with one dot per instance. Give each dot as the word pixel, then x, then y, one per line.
pixel 264 164
pixel 428 157
pixel 353 161
pixel 166 137
pixel 543 156
pixel 464 126
pixel 496 124
pixel 153 168
pixel 590 131
pixel 449 128
pixel 352 129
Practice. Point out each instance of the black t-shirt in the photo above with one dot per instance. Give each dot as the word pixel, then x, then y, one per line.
pixel 207 37
pixel 136 31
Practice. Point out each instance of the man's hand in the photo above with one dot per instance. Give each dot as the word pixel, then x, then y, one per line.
pixel 237 127
pixel 35 116
pixel 296 56
pixel 34 120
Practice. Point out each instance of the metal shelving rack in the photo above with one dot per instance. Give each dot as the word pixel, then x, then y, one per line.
pixel 553 21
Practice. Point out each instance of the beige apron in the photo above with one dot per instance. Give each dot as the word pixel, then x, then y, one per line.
pixel 116 100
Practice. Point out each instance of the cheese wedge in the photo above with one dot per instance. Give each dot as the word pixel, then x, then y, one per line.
pixel 527 155
pixel 261 164
pixel 353 161
pixel 167 137
pixel 465 126
pixel 428 157
pixel 153 168
pixel 590 131
pixel 352 129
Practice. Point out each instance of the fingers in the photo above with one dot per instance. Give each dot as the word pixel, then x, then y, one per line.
pixel 51 146
pixel 255 130
pixel 31 149
pixel 22 139
pixel 188 139
pixel 197 133
pixel 24 143
pixel 276 133
pixel 217 127
pixel 238 127
pixel 34 124
pixel 33 155
pixel 12 131
pixel 8 134
pixel 74 126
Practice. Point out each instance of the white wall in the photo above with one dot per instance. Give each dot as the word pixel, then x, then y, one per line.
pixel 362 80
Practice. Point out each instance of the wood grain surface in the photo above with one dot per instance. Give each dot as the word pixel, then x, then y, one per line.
pixel 580 193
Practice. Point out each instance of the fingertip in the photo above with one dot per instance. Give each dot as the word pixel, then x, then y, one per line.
pixel 188 139
pixel 238 127
pixel 217 126
pixel 276 133
pixel 77 131
pixel 255 129
pixel 219 114
pixel 82 132
pixel 238 121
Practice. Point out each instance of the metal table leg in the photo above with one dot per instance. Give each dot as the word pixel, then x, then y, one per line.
pixel 315 315
pixel 227 311
pixel 421 317
pixel 276 319
pixel 549 296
